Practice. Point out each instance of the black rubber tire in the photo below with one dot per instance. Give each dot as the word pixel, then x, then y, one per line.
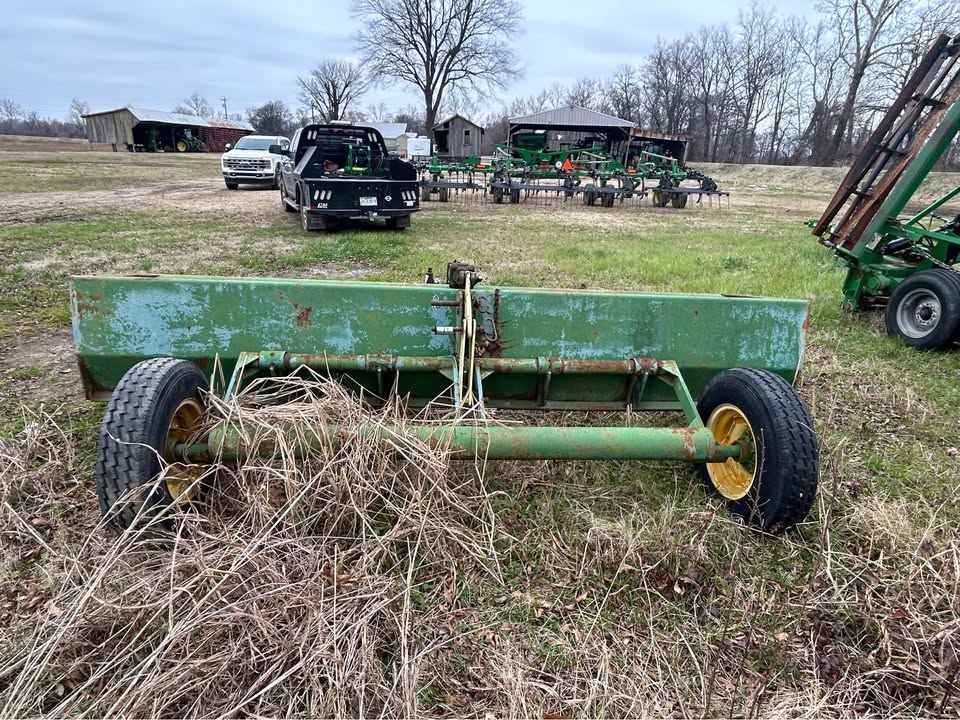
pixel 232 186
pixel 664 199
pixel 676 199
pixel 607 199
pixel 515 197
pixel 401 222
pixel 444 194
pixel 787 457
pixel 590 194
pixel 497 195
pixel 276 179
pixel 683 199
pixel 134 432
pixel 945 284
pixel 424 193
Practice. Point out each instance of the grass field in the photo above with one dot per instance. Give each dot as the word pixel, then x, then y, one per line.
pixel 619 589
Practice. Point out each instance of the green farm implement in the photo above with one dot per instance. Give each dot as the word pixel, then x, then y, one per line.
pixel 907 260
pixel 595 176
pixel 721 367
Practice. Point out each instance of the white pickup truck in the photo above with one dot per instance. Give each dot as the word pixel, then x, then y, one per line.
pixel 250 161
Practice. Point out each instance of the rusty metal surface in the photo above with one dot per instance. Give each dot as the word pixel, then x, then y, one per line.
pixel 591 344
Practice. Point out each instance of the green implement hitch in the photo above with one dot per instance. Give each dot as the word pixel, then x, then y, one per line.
pixel 906 260
pixel 723 365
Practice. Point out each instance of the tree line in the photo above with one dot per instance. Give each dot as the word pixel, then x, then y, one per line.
pixel 768 88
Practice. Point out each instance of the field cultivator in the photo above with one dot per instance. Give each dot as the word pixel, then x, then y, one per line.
pixel 161 348
pixel 906 260
pixel 587 176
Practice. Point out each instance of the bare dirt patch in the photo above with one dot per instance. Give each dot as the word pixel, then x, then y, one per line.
pixel 40 368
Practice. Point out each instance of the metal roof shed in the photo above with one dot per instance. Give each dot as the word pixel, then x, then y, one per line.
pixel 130 127
pixel 573 119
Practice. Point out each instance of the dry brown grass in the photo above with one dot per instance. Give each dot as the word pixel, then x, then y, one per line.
pixel 388 581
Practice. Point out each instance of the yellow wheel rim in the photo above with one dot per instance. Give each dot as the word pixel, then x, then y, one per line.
pixel 732 478
pixel 181 146
pixel 182 478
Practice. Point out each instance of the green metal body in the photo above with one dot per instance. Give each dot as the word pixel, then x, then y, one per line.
pixel 873 273
pixel 536 349
pixel 118 321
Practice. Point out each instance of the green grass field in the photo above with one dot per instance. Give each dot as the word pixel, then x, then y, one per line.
pixel 617 581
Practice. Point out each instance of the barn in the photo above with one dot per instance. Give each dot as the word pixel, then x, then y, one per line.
pixel 457 138
pixel 142 130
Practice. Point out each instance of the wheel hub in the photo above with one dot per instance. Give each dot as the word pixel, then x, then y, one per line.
pixel 733 478
pixel 181 479
pixel 919 313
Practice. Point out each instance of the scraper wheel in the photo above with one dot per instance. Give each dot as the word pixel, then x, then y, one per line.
pixel 773 483
pixel 157 403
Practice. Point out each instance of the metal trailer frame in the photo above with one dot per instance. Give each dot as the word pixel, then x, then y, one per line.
pixel 469 349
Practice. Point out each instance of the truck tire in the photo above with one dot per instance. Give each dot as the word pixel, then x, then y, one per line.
pixel 155 401
pixel 773 487
pixel 231 186
pixel 311 222
pixel 276 179
pixel 401 222
pixel 924 310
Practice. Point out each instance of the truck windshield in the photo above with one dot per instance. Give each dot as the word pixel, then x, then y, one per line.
pixel 255 143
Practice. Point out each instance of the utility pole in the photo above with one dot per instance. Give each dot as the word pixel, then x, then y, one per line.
pixel 224 99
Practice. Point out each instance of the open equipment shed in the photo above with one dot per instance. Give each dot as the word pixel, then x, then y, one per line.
pixel 668 144
pixel 574 126
pixel 142 130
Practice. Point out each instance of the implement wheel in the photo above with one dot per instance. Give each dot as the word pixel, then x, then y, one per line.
pixel 444 194
pixel 607 199
pixel 590 194
pixel 156 404
pixel 515 196
pixel 497 193
pixel 773 483
pixel 678 200
pixel 924 310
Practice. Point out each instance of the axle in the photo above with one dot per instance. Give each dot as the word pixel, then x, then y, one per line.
pixel 690 444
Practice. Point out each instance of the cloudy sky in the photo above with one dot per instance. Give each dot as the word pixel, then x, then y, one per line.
pixel 115 52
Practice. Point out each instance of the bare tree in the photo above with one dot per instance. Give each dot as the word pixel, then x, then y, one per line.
pixel 756 49
pixel 667 86
pixel 585 93
pixel 332 88
pixel 621 94
pixel 9 110
pixel 378 112
pixel 413 118
pixel 78 108
pixel 875 29
pixel 439 46
pixel 271 118
pixel 196 104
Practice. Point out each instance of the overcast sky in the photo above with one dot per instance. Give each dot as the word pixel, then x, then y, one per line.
pixel 113 53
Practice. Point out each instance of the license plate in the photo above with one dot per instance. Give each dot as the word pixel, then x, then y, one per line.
pixel 368 202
